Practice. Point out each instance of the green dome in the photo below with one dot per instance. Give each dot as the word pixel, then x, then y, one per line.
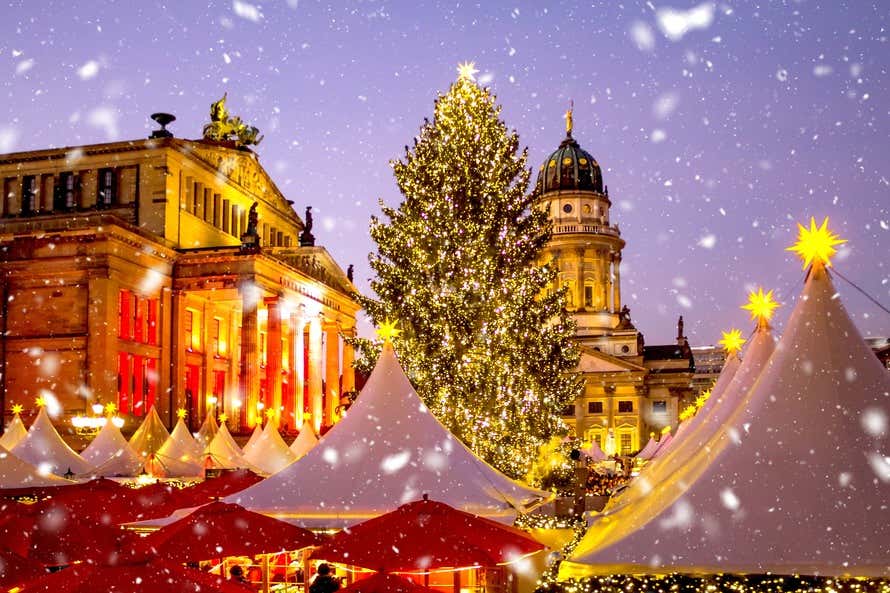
pixel 570 167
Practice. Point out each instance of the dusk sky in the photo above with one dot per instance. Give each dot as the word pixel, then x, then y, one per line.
pixel 718 125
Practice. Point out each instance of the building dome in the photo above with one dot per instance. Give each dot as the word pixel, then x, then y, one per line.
pixel 570 167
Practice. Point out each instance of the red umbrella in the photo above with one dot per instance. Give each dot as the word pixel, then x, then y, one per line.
pixel 381 582
pixel 154 576
pixel 222 529
pixel 425 535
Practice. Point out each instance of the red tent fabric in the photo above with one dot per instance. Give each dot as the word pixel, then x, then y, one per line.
pixel 381 582
pixel 228 482
pixel 425 535
pixel 154 576
pixel 223 529
pixel 15 570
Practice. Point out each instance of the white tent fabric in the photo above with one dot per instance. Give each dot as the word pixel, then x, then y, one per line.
pixel 647 451
pixel 270 453
pixel 208 430
pixel 594 452
pixel 223 452
pixel 388 450
pixel 14 433
pixel 305 441
pixel 44 447
pixel 798 478
pixel 109 454
pixel 179 456
pixel 706 423
pixel 252 441
pixel 15 473
pixel 150 436
pixel 662 446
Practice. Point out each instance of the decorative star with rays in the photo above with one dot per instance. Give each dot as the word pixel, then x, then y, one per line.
pixel 17 408
pixel 732 341
pixel 761 305
pixel 223 418
pixel 110 409
pixel 467 71
pixel 270 413
pixel 181 413
pixel 388 330
pixel 815 244
pixel 40 402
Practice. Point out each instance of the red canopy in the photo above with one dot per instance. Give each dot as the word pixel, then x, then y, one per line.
pixel 15 570
pixel 228 482
pixel 223 529
pixel 149 577
pixel 426 535
pixel 381 582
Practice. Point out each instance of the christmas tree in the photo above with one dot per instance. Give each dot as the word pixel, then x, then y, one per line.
pixel 485 343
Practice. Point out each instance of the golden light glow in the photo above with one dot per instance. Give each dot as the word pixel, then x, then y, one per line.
pixel 110 408
pixel 223 418
pixel 761 305
pixel 815 244
pixel 181 413
pixel 467 71
pixel 387 331
pixel 17 408
pixel 732 341
pixel 40 402
pixel 270 413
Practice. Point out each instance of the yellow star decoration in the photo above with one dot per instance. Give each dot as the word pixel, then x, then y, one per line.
pixel 815 244
pixel 223 418
pixel 17 408
pixel 387 331
pixel 467 71
pixel 181 413
pixel 40 402
pixel 761 305
pixel 732 341
pixel 110 409
pixel 270 413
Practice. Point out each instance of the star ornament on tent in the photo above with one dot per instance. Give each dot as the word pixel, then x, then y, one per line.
pixel 387 331
pixel 467 71
pixel 41 402
pixel 223 418
pixel 270 413
pixel 110 409
pixel 732 341
pixel 181 413
pixel 815 244
pixel 17 408
pixel 760 305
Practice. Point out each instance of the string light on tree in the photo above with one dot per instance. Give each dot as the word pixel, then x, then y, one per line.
pixel 815 245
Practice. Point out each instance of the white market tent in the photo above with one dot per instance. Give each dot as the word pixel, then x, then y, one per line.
pixel 647 451
pixel 208 430
pixel 662 446
pixel 594 452
pixel 150 435
pixel 15 473
pixel 14 433
pixel 44 447
pixel 223 452
pixel 798 479
pixel 305 441
pixel 179 456
pixel 254 437
pixel 387 451
pixel 109 454
pixel 270 453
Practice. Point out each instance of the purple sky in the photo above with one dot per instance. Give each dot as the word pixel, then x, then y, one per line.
pixel 714 140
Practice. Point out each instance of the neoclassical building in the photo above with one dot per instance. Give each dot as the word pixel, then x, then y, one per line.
pixel 167 272
pixel 629 388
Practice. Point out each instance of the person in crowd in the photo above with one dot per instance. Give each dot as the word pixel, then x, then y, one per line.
pixel 236 574
pixel 324 581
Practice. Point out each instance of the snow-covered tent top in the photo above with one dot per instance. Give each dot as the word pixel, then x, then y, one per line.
pixel 150 435
pixel 208 430
pixel 799 481
pixel 594 452
pixel 179 456
pixel 44 447
pixel 270 453
pixel 254 437
pixel 387 451
pixel 305 441
pixel 15 473
pixel 109 454
pixel 223 452
pixel 647 451
pixel 14 433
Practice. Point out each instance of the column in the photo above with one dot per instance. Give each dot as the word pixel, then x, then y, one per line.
pixel 169 332
pixel 315 373
pixel 248 372
pixel 297 380
pixel 102 363
pixel 616 286
pixel 273 357
pixel 579 278
pixel 332 373
pixel 609 277
pixel 348 360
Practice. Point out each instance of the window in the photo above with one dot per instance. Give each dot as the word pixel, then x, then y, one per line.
pixel 218 331
pixel 569 410
pixel 567 208
pixel 192 333
pixel 29 195
pixel 152 322
pixel 659 407
pixel 124 382
pixel 625 407
pixel 626 443
pixel 124 330
pixel 588 295
pixel 107 191
pixel 594 407
pixel 65 197
pixel 196 189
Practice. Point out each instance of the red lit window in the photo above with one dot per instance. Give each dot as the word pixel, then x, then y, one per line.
pixel 124 314
pixel 124 385
pixel 153 321
pixel 139 320
pixel 151 384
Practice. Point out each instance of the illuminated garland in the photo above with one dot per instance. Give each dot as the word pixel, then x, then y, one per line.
pixel 717 583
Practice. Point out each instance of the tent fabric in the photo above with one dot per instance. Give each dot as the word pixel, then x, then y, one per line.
pixel 179 456
pixel 797 478
pixel 662 445
pixel 14 433
pixel 647 451
pixel 270 453
pixel 388 450
pixel 252 441
pixel 15 570
pixel 208 430
pixel 223 453
pixel 109 454
pixel 16 474
pixel 594 452
pixel 150 436
pixel 381 582
pixel 305 441
pixel 44 447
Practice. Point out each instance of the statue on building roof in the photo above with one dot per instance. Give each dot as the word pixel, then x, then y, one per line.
pixel 349 272
pixel 252 220
pixel 250 239
pixel 307 239
pixel 223 128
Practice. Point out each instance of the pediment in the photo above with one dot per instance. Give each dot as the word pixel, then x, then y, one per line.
pixel 594 361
